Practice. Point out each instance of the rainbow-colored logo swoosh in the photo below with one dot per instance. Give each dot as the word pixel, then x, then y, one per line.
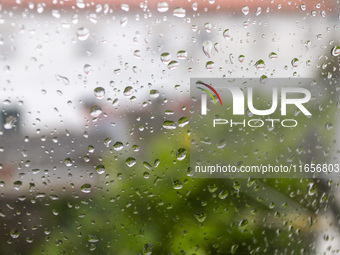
pixel 208 92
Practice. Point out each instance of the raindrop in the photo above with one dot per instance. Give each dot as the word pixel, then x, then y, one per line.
pixel 303 7
pixel 201 216
pixel 68 162
pixel 154 93
pixel 168 124
pixel 147 249
pixel 125 7
pixel 14 233
pixel 99 92
pixel 165 57
pixel 182 54
pixel 258 11
pixel 118 146
pixel 243 223
pixel 86 188
pixel 216 47
pixel 328 126
pixel 10 122
pixel 177 184
pixel 162 6
pixel 130 161
pixel 245 10
pixel 221 144
pixel 336 51
pixel 223 194
pixel 208 27
pixel 183 121
pixel 63 79
pixel 311 189
pixel 100 169
pixel 241 58
pixel 207 47
pixel 295 62
pixel 226 34
pixel 80 4
pixel 128 91
pixel 83 33
pixel 181 154
pixel 123 21
pixel 173 65
pixel 179 12
pixel 210 65
pixel 136 53
pixel 260 65
pixel 17 185
pixel 272 55
pixel 194 6
pixel 87 69
pixel 95 111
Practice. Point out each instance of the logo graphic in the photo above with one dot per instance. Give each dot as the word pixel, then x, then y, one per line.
pixel 204 96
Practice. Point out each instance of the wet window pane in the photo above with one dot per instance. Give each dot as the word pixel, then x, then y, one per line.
pixel 120 119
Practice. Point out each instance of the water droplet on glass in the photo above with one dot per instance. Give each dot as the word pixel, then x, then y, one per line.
pixel 303 7
pixel 216 47
pixel 165 57
pixel 243 223
pixel 312 189
pixel 177 184
pixel 80 4
pixel 83 33
pixel 100 169
pixel 65 80
pixel 208 27
pixel 183 122
pixel 173 65
pixel 201 216
pixel 130 161
pixel 154 93
pixel 14 233
pixel 95 111
pixel 123 21
pixel 226 34
pixel 128 91
pixel 182 54
pixel 87 69
pixel 10 122
pixel 125 7
pixel 17 185
pixel 328 126
pixel 260 65
pixel 241 58
pixel 118 146
pixel 179 12
pixel 168 124
pixel 162 6
pixel 207 47
pixel 181 154
pixel 92 239
pixel 56 14
pixel 272 55
pixel 258 11
pixel 99 92
pixel 136 53
pixel 68 162
pixel 221 144
pixel 295 62
pixel 86 188
pixel 245 10
pixel 194 6
pixel 210 65
pixel 336 51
